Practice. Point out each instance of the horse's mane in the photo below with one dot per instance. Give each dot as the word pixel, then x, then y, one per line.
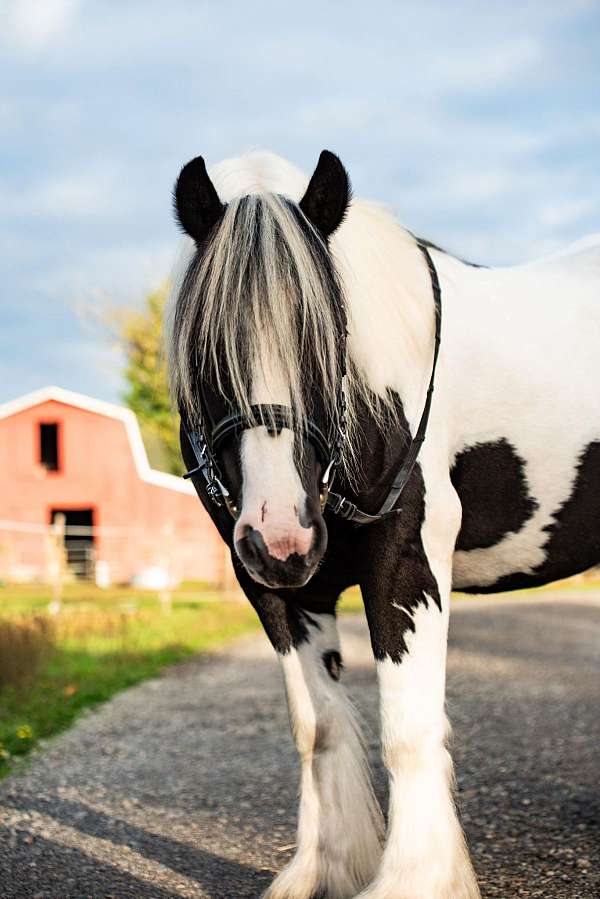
pixel 264 296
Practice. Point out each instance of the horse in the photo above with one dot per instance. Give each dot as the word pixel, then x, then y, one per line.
pixel 315 343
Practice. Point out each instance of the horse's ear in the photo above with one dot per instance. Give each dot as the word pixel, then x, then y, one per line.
pixel 327 195
pixel 197 204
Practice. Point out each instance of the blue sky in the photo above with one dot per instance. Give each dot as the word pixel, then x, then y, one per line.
pixel 478 122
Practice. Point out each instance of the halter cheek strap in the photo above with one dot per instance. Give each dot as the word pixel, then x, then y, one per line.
pixel 275 417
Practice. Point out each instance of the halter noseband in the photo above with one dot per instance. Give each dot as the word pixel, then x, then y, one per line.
pixel 274 418
pixel 328 450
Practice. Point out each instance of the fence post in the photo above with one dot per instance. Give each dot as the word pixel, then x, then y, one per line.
pixel 7 559
pixel 166 594
pixel 229 584
pixel 57 562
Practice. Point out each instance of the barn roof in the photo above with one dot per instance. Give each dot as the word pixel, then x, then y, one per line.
pixel 110 410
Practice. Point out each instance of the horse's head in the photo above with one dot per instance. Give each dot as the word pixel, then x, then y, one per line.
pixel 258 349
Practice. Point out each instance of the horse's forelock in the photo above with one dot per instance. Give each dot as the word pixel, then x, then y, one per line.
pixel 262 292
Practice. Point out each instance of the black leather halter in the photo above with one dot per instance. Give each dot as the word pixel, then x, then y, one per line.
pixel 328 449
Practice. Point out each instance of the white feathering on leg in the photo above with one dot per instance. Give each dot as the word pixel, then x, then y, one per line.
pixel 340 824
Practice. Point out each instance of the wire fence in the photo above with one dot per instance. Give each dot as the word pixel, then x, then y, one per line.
pixel 157 560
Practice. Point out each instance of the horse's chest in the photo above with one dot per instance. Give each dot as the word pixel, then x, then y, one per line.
pixel 525 521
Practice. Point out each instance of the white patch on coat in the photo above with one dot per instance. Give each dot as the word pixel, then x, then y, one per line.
pixel 340 824
pixel 425 853
pixel 273 497
pixel 390 307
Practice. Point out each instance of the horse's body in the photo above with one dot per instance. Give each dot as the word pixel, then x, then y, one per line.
pixel 511 450
pixel 522 362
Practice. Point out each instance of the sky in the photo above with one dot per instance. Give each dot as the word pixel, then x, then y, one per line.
pixel 478 123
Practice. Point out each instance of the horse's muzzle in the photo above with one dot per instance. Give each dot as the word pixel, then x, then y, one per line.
pixel 284 569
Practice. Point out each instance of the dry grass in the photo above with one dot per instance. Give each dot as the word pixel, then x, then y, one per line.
pixel 88 623
pixel 26 644
pixel 54 666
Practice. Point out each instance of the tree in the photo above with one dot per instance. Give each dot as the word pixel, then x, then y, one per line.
pixel 147 379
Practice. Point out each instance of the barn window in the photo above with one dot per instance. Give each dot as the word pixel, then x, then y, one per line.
pixel 49 447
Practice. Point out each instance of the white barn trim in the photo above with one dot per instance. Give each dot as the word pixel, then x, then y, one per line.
pixel 110 410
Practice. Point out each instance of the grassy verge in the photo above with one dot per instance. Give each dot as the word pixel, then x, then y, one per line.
pixel 53 667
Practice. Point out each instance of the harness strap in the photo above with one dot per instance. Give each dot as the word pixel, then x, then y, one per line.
pixel 341 506
pixel 401 479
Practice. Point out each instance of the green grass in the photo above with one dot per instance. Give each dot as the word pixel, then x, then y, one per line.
pixel 101 642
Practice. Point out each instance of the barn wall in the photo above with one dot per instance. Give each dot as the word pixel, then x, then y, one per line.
pixel 141 524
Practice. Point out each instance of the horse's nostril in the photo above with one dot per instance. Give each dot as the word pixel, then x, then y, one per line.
pixel 255 544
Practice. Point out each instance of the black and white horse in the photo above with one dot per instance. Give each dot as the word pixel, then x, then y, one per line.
pixel 302 341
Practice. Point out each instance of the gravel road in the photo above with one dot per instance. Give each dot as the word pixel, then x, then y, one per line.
pixel 185 786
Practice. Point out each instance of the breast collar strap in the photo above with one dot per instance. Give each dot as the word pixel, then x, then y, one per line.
pixel 275 417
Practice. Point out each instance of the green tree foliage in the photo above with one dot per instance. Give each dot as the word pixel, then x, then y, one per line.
pixel 146 376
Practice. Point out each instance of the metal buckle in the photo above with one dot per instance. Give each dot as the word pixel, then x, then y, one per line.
pixel 326 484
pixel 226 497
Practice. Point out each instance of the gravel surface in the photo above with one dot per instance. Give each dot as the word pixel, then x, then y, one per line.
pixel 185 786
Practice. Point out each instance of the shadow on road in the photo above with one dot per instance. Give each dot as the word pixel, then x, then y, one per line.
pixel 217 876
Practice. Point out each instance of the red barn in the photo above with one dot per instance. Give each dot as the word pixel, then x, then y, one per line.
pixel 65 454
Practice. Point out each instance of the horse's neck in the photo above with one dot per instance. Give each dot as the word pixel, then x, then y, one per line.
pixel 390 304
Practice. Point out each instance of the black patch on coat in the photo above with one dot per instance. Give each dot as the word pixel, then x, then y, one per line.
pixel 491 484
pixel 396 577
pixel 399 583
pixel 573 543
pixel 333 663
pixel 283 622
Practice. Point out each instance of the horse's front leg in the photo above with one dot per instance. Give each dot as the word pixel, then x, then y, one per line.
pixel 407 594
pixel 340 827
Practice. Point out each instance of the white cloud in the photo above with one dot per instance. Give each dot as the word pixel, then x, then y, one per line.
pixel 34 24
pixel 96 193
pixel 556 215
pixel 85 365
pixel 76 196
pixel 119 274
pixel 490 65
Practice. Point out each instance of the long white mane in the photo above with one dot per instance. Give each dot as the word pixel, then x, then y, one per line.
pixel 384 284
